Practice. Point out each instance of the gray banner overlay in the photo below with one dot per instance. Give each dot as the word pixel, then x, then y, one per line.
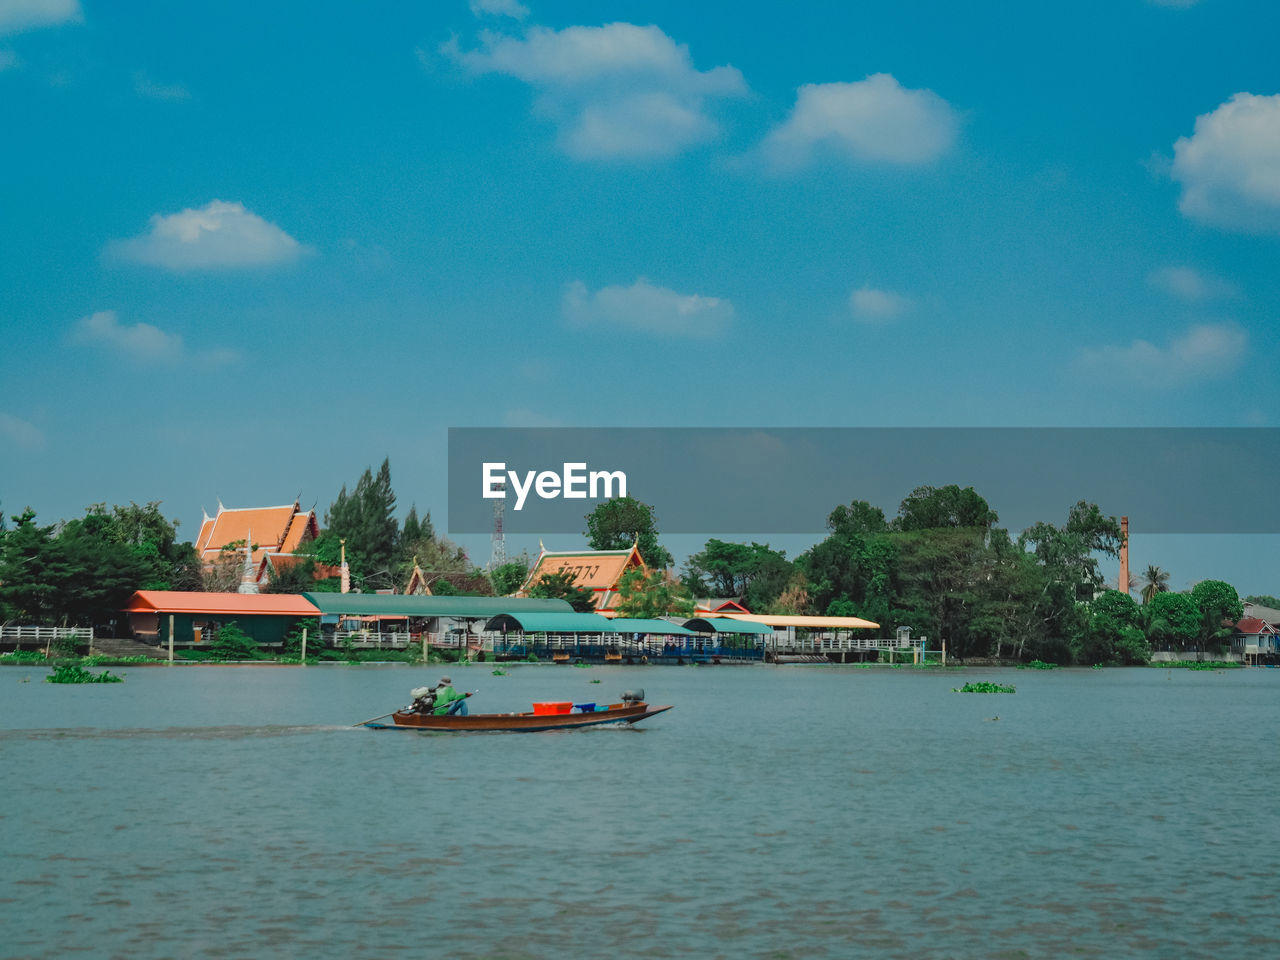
pixel 717 480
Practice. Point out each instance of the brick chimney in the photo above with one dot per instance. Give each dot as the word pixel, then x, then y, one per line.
pixel 1124 555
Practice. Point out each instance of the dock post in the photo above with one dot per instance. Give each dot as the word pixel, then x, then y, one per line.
pixel 303 661
pixel 171 639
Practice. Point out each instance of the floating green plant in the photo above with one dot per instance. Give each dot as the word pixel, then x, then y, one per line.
pixel 1037 665
pixel 74 673
pixel 499 672
pixel 1199 664
pixel 985 686
pixel 23 656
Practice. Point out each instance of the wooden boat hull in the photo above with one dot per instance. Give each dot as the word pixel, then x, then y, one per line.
pixel 519 722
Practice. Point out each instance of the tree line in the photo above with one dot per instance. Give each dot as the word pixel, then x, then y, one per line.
pixel 941 565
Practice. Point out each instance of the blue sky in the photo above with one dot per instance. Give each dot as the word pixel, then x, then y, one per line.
pixel 249 249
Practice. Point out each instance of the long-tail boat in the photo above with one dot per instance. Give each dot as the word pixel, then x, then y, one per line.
pixel 544 716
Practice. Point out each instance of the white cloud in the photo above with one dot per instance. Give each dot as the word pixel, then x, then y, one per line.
pixel 1204 352
pixel 144 86
pixel 1188 283
pixel 8 59
pixel 19 15
pixel 16 432
pixel 875 120
pixel 615 91
pixel 500 8
pixel 1229 167
pixel 142 342
pixel 644 307
pixel 653 124
pixel 219 235
pixel 875 306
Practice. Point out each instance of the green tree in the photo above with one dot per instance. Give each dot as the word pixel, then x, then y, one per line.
pixel 232 643
pixel 942 572
pixel 618 523
pixel 292 643
pixel 1264 600
pixel 29 570
pixel 1066 577
pixel 1114 631
pixel 365 518
pixel 1220 608
pixel 1154 581
pixel 859 517
pixel 296 577
pixel 757 573
pixel 932 508
pixel 78 574
pixel 859 568
pixel 647 594
pixel 1172 620
pixel 154 539
pixel 414 530
pixel 563 585
pixel 508 577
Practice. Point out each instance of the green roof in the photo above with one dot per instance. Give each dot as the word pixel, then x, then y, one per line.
pixel 725 625
pixel 413 605
pixel 540 622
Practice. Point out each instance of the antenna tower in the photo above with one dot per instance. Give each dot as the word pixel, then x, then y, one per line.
pixel 498 556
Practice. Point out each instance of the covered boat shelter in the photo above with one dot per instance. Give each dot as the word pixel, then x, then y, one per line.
pixel 840 639
pixel 721 638
pixel 400 620
pixel 578 636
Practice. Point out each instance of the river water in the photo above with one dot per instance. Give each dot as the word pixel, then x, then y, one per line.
pixel 776 812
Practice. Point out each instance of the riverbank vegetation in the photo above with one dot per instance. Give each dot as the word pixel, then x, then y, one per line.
pixel 942 565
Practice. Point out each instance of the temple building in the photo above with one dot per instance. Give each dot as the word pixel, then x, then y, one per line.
pixel 597 570
pixel 274 534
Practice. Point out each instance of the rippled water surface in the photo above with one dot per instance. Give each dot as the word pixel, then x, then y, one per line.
pixel 776 812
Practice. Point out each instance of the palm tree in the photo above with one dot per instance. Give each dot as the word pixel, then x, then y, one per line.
pixel 1155 581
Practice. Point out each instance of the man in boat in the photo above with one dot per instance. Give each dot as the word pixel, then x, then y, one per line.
pixel 448 700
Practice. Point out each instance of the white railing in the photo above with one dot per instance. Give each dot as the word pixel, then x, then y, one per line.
pixel 398 640
pixel 43 636
pixel 857 643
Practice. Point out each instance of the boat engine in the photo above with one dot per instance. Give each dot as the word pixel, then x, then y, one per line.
pixel 633 696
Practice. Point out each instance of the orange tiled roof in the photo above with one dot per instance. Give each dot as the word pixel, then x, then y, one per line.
pixel 270 527
pixel 220 604
pixel 594 569
pixel 299 527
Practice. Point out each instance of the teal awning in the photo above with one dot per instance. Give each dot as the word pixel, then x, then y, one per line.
pixel 725 625
pixel 413 605
pixel 539 622
pixel 625 625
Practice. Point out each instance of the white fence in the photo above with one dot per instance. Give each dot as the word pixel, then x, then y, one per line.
pixel 44 636
pixel 855 643
pixel 398 640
